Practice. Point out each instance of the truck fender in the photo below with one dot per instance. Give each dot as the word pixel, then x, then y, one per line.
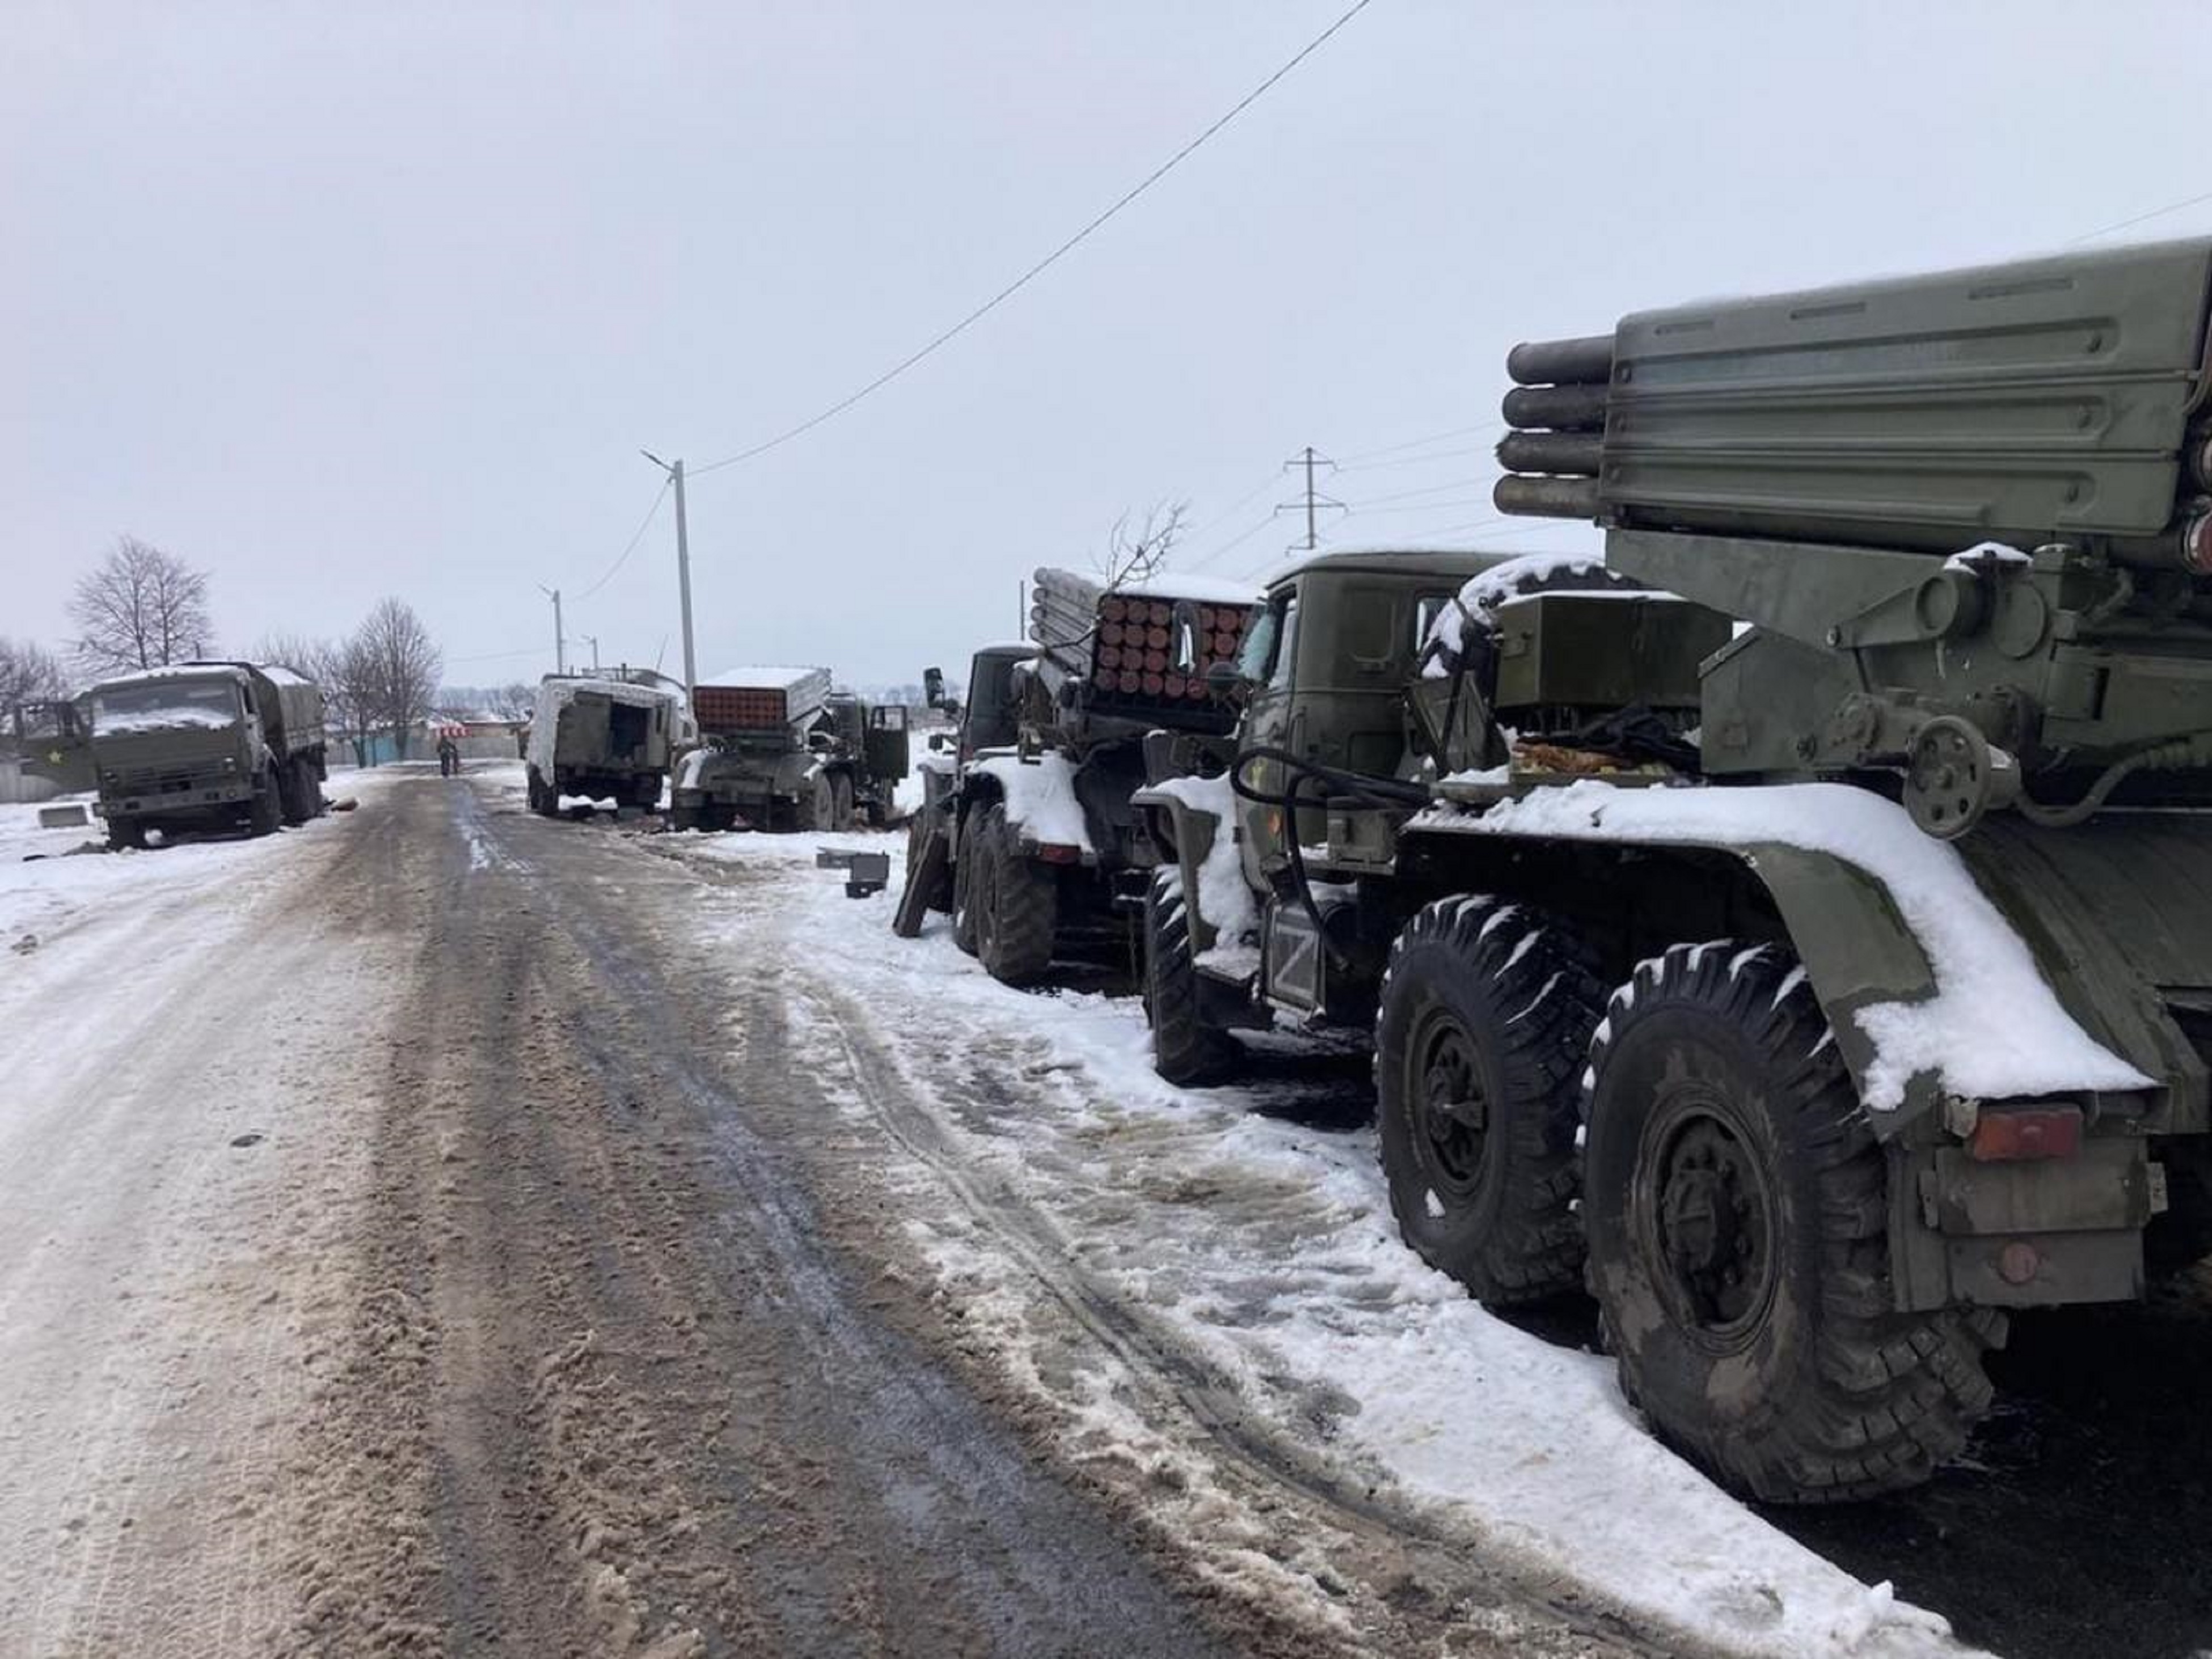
pixel 1855 947
pixel 1187 833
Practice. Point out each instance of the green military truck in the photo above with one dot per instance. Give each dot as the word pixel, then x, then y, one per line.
pixel 1812 952
pixel 1039 852
pixel 780 750
pixel 206 745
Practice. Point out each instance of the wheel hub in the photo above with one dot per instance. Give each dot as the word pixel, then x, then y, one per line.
pixel 1451 1104
pixel 1713 1223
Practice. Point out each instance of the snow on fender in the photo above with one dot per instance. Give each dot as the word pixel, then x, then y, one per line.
pixel 1990 1025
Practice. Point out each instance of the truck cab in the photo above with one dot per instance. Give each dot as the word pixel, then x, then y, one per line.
pixel 205 744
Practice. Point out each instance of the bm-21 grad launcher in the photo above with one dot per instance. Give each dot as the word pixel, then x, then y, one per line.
pixel 1811 953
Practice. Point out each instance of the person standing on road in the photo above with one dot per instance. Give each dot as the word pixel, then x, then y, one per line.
pixel 449 755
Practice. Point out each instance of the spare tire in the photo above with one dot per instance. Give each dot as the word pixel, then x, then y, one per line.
pixel 1472 645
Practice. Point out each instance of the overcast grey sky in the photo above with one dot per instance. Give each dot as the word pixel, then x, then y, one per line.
pixel 342 300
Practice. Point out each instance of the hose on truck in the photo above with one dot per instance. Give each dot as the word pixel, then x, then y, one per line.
pixel 1299 771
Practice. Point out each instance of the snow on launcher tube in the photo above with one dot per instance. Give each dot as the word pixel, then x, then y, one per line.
pixel 1993 1029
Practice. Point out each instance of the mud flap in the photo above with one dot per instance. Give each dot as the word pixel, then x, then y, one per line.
pixel 922 878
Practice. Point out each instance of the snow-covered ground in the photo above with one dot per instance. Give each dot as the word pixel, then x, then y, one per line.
pixel 1264 1248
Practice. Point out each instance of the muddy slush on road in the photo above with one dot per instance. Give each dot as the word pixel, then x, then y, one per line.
pixel 548 1294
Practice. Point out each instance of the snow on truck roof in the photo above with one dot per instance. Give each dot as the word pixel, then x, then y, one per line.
pixel 757 679
pixel 229 669
pixel 1199 590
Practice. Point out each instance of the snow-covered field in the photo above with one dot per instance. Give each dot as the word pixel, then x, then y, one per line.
pixel 1231 1231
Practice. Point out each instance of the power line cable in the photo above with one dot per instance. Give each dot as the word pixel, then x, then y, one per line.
pixel 1372 501
pixel 1416 443
pixel 1042 265
pixel 637 536
pixel 2142 219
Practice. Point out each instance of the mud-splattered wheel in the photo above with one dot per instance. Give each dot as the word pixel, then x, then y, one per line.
pixel 1186 1050
pixel 1015 902
pixel 1735 1203
pixel 1484 1022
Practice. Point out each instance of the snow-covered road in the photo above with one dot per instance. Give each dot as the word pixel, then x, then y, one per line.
pixel 439 1229
pixel 174 1115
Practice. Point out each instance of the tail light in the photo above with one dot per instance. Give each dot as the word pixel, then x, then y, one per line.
pixel 2007 1134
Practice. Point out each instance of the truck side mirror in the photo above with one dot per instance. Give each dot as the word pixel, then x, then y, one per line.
pixel 932 687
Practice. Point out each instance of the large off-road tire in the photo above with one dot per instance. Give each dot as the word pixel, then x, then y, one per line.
pixel 265 810
pixel 840 809
pixel 2180 1238
pixel 1480 1043
pixel 544 796
pixel 645 792
pixel 964 882
pixel 1017 904
pixel 127 835
pixel 1186 1050
pixel 1735 1199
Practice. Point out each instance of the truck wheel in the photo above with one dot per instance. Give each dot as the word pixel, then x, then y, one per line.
pixel 296 791
pixel 964 883
pixel 266 810
pixel 646 793
pixel 129 835
pixel 1186 1050
pixel 1736 1206
pixel 1485 1018
pixel 1017 904
pixel 544 797
pixel 841 810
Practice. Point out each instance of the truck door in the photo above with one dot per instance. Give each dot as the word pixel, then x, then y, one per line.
pixel 1267 663
pixel 884 747
pixel 53 744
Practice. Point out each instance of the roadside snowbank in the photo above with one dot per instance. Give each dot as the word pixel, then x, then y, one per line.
pixel 1992 1029
pixel 1264 1250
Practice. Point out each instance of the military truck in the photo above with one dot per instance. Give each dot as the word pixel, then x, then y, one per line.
pixel 1812 953
pixel 986 722
pixel 782 750
pixel 603 737
pixel 53 741
pixel 1042 854
pixel 206 745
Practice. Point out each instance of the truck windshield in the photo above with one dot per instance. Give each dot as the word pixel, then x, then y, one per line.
pixel 164 705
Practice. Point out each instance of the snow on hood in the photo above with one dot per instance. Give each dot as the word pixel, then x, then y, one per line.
pixel 1993 1030
pixel 1040 797
pixel 177 718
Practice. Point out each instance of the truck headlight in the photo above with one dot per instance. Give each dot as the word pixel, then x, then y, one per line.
pixel 230 762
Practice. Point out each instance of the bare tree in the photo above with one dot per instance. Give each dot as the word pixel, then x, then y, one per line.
pixel 29 673
pixel 402 666
pixel 513 701
pixel 141 608
pixel 348 675
pixel 1138 556
pixel 297 651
